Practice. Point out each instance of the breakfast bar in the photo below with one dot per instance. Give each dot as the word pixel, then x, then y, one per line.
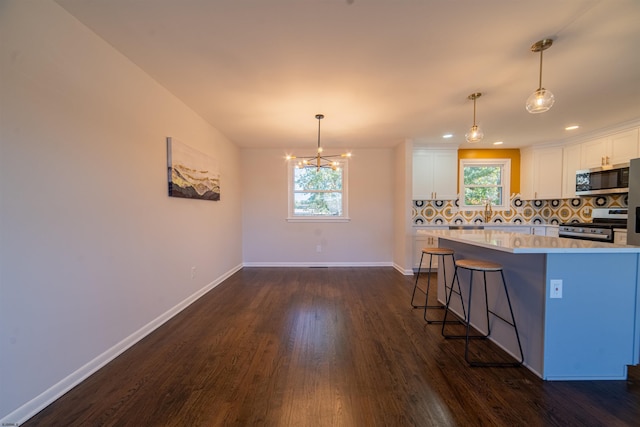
pixel 575 302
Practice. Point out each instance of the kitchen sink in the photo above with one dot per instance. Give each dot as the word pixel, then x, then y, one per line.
pixel 466 227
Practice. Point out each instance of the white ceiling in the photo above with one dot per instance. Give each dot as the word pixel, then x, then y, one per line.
pixel 382 71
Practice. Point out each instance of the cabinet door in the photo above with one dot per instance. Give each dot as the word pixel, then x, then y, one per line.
pixel 526 174
pixel 445 175
pixel 547 168
pixel 420 242
pixel 435 174
pixel 571 158
pixel 620 237
pixel 539 231
pixel 422 175
pixel 541 173
pixel 623 147
pixel 594 153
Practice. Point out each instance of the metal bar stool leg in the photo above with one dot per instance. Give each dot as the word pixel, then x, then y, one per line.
pixel 447 296
pixel 474 265
pixel 466 315
pixel 415 286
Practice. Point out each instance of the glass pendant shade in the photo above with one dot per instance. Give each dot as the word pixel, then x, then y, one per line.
pixel 475 134
pixel 540 101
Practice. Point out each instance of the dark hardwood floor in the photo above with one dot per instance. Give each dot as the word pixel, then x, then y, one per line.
pixel 323 347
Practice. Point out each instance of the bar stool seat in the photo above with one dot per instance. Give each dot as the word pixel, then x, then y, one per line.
pixel 441 252
pixel 484 267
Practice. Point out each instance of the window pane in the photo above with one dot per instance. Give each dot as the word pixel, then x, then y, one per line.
pixel 326 204
pixel 477 196
pixel 482 175
pixel 311 179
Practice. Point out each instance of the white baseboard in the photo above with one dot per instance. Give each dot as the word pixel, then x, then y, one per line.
pixel 317 264
pixel 404 271
pixel 38 403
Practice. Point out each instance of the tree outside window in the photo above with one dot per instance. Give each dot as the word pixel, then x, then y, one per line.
pixel 317 194
pixel 484 181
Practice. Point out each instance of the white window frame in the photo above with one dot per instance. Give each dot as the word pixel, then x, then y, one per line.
pixel 505 164
pixel 344 166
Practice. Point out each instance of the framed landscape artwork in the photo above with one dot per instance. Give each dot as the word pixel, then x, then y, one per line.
pixel 192 174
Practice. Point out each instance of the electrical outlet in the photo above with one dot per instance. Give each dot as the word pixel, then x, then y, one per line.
pixel 318 248
pixel 193 272
pixel 556 289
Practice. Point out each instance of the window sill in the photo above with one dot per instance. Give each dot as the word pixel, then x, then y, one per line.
pixel 318 219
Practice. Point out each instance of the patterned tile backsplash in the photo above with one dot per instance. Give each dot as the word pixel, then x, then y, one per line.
pixel 557 211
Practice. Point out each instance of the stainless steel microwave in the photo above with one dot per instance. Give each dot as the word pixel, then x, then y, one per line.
pixel 604 180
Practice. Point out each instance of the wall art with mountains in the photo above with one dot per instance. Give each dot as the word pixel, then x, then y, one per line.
pixel 192 174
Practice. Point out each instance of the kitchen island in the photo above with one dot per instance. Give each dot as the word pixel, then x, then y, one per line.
pixel 586 329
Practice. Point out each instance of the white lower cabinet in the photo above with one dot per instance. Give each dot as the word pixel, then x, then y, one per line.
pixel 620 237
pixel 422 241
pixel 539 231
pixel 509 228
pixel 552 231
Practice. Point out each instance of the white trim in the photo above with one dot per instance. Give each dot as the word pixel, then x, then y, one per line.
pixel 38 403
pixel 319 264
pixel 318 219
pixel 398 267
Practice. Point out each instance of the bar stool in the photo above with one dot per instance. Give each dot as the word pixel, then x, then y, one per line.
pixel 484 267
pixel 438 252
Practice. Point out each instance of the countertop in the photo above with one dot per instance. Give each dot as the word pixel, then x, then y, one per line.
pixel 527 243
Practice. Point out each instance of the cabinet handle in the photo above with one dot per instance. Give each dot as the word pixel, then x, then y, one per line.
pixel 602 161
pixel 608 161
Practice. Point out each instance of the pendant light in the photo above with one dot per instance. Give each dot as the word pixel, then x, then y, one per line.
pixel 319 161
pixel 542 99
pixel 475 133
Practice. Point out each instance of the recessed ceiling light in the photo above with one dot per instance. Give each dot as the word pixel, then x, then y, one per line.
pixel 447 135
pixel 572 127
pixel 498 143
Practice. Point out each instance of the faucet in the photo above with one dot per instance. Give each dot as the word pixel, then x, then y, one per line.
pixel 488 212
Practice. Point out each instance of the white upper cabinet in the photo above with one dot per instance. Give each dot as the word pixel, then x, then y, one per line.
pixel 571 162
pixel 611 150
pixel 435 174
pixel 541 173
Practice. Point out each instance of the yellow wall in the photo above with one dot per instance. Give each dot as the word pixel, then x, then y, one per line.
pixel 513 154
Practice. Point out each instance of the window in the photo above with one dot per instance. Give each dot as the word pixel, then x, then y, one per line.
pixel 483 180
pixel 318 195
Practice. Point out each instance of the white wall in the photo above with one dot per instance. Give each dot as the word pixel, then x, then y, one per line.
pixel 268 239
pixel 91 247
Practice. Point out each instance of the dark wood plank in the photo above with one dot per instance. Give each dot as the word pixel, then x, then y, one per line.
pixel 323 347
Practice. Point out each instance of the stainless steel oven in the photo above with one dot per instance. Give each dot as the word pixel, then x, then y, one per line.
pixel 601 227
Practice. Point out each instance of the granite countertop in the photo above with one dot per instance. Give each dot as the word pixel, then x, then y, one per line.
pixel 527 243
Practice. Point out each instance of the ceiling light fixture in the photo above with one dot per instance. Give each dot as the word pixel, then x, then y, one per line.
pixel 573 127
pixel 541 100
pixel 319 160
pixel 475 133
pixel 447 135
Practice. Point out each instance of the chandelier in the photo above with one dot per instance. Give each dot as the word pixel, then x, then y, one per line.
pixel 319 161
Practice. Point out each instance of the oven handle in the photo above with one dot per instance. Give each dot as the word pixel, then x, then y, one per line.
pixel 584 236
